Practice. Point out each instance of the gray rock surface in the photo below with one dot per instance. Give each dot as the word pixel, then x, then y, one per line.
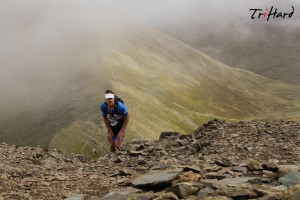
pixel 183 190
pixel 231 182
pixel 156 179
pixel 291 178
pixel 248 156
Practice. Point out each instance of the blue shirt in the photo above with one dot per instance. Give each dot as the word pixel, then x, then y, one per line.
pixel 114 117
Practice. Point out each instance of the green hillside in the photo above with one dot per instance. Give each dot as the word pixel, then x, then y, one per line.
pixel 268 49
pixel 166 85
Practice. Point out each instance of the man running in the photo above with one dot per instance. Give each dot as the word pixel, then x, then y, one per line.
pixel 115 117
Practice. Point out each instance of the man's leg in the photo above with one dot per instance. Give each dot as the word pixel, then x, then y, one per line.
pixel 119 140
pixel 111 142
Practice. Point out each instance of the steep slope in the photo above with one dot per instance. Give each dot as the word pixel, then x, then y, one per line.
pixel 166 85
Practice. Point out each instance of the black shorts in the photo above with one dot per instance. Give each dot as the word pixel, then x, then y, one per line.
pixel 117 128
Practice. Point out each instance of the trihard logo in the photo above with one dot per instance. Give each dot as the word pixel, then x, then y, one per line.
pixel 271 13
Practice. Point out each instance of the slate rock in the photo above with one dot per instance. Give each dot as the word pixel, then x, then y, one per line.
pixel 241 169
pixel 254 165
pixel 188 177
pixel 169 134
pixel 167 196
pixel 115 196
pixel 290 179
pixel 236 193
pixel 213 175
pixel 231 182
pixel 156 179
pixel 204 193
pixel 141 161
pixel 76 196
pixel 183 142
pixel 187 168
pixel 145 196
pixel 213 168
pixel 135 153
pixel 184 189
pixel 285 169
pixel 120 194
pixel 223 163
pixel 216 198
pixel 125 172
pixel 270 167
pixel 296 196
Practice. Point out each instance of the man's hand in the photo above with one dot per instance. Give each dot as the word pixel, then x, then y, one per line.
pixel 110 135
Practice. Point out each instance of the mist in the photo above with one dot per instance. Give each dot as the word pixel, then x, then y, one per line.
pixel 40 41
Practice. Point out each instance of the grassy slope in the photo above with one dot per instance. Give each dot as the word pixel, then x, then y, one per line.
pixel 166 85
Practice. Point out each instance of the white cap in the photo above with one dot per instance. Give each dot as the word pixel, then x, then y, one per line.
pixel 107 96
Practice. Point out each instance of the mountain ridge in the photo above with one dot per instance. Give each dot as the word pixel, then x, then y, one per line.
pixel 166 84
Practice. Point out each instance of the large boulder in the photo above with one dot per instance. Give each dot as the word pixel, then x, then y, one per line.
pixel 291 178
pixel 156 179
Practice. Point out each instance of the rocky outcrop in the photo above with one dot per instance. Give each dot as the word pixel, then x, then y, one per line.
pixel 221 160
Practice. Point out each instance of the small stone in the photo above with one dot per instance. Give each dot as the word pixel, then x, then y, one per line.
pixel 114 196
pixel 237 193
pixel 204 193
pixel 216 198
pixel 213 168
pixel 212 184
pixel 144 196
pixel 268 191
pixel 169 134
pixel 257 172
pixel 119 160
pixel 35 172
pixel 141 161
pixel 62 177
pixel 254 165
pixel 264 180
pixel 125 172
pixel 191 168
pixel 184 189
pixel 270 167
pixel 285 169
pixel 4 177
pixel 76 196
pixel 123 182
pixel 135 153
pixel 138 147
pixel 223 163
pixel 213 175
pixel 244 170
pixel 167 196
pixel 296 196
pixel 268 174
pixel 183 142
pixel 120 194
pixel 232 182
pixel 188 177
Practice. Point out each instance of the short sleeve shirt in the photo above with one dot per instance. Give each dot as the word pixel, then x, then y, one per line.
pixel 114 118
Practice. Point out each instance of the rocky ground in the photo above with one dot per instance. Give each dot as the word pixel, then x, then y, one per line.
pixel 221 160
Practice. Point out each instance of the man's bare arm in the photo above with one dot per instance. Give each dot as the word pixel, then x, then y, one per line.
pixel 126 120
pixel 106 122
